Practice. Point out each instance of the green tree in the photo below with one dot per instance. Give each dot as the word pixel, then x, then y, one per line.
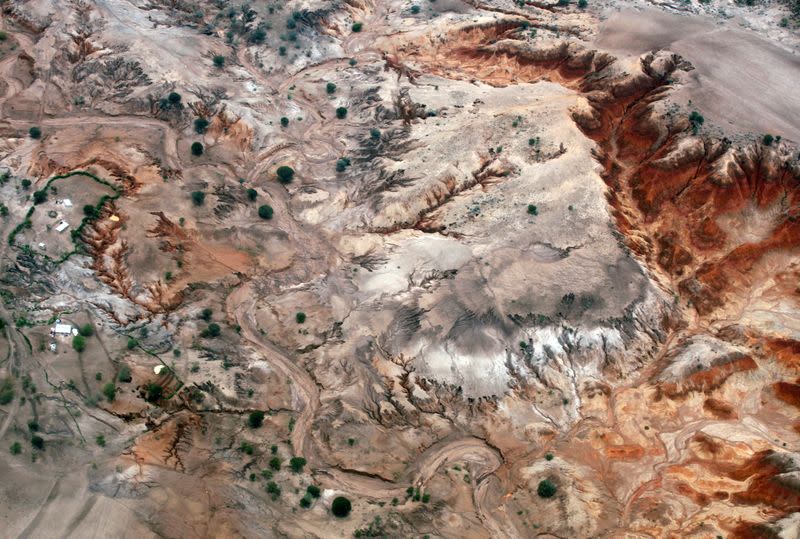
pixel 297 464
pixel 213 330
pixel 273 490
pixel 767 140
pixel 284 121
pixel 79 343
pixel 357 26
pixel 546 489
pixel 39 196
pixel 582 4
pixel 26 183
pixel 89 211
pixel 35 133
pixel 198 197
pixel 255 419
pixel 219 60
pixel 200 125
pixel 6 391
pixel 275 463
pixel 252 194
pixel 174 98
pixel 285 174
pixel 206 314
pixel 16 448
pixel 330 88
pixel 300 317
pixel 125 374
pixel 265 211
pixel 197 148
pixel 110 391
pixel 86 330
pixel 100 440
pixel 132 343
pixel 341 507
pixel 341 113
pixel 154 392
pixel 313 491
pixel 37 442
pixel 532 209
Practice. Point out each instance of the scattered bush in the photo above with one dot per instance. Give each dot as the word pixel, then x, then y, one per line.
pixel 415 9
pixel 548 456
pixel 26 183
pixel 284 121
pixel 285 174
pixel 275 463
pixel 100 440
pixel 132 343
pixel 198 197
pixel 357 26
pixel 546 489
pixel 200 125
pixel 247 448
pixel 341 507
pixel 767 140
pixel 300 317
pixel 313 491
pixel 219 60
pixel 16 448
pixel 252 194
pixel 532 209
pixel 265 211
pixel 257 36
pixel 297 464
pixel 206 314
pixel 582 4
pixel 79 343
pixel 39 196
pixel 341 113
pixel 174 98
pixel 255 419
pixel 110 391
pixel 696 120
pixel 375 134
pixel 197 148
pixel 35 133
pixel 86 330
pixel 342 164
pixel 90 211
pixel 330 88
pixel 305 502
pixel 33 425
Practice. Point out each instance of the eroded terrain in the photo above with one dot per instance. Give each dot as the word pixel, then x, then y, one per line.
pixel 484 269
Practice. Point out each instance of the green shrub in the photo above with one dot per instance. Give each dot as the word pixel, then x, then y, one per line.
pixel 219 60
pixel 213 330
pixel 86 330
pixel 255 419
pixel 26 183
pixel 200 125
pixel 79 343
pixel 284 121
pixel 33 425
pixel 532 209
pixel 35 133
pixel 132 343
pixel 341 113
pixel 330 88
pixel 247 448
pixel 265 211
pixel 100 440
pixel 285 174
pixel 415 9
pixel 341 507
pixel 252 194
pixel 305 502
pixel 548 456
pixel 198 197
pixel 300 317
pixel 3 35
pixel 174 98
pixel 273 490
pixel 357 26
pixel 375 134
pixel 546 489
pixel 696 120
pixel 197 148
pixel 16 448
pixel 110 391
pixel 767 140
pixel 582 4
pixel 342 164
pixel 313 491
pixel 206 314
pixel 297 464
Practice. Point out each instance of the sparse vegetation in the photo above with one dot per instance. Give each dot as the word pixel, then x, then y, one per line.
pixel 247 448
pixel 340 507
pixel 6 391
pixel 125 374
pixel 197 148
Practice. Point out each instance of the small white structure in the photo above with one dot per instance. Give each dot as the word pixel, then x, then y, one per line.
pixel 63 330
pixel 53 346
pixel 62 226
pixel 158 368
pixel 67 203
pixel 42 246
